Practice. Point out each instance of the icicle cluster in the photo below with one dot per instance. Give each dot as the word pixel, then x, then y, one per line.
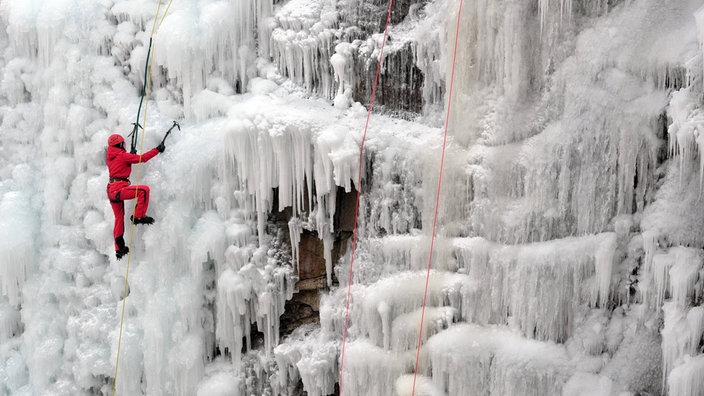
pixel 210 46
pixel 554 195
pixel 303 41
pixel 18 230
pixel 495 361
pixel 563 274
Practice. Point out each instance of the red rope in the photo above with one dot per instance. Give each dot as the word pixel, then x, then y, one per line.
pixel 437 198
pixel 359 189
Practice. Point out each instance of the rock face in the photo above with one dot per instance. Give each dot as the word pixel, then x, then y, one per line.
pixel 400 86
pixel 401 81
pixel 311 264
pixel 304 307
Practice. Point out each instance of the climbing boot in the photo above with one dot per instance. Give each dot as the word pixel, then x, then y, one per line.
pixel 122 250
pixel 142 220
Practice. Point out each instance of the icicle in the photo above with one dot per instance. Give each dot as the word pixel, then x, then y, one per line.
pixel 302 44
pixel 695 319
pixel 680 336
pixel 686 379
pixel 385 313
pixel 661 268
pixel 650 240
pixel 308 355
pixel 269 315
pixel 9 322
pixel 547 13
pixel 18 228
pixel 234 293
pixel 699 18
pixel 186 364
pixel 685 131
pixel 544 6
pixel 521 367
pixel 340 61
pixel 604 260
pixel 684 274
pixel 18 16
pixel 131 357
pixel 405 329
pixel 495 362
pixel 219 36
pixel 547 273
pixel 403 294
pixel 327 249
pixel 369 370
pixel 319 370
pixel 294 230
pixel 207 238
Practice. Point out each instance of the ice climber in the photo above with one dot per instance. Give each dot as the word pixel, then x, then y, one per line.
pixel 119 188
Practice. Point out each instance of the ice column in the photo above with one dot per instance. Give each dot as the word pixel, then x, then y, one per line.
pixel 684 275
pixel 18 228
pixel 699 17
pixel 339 62
pixel 687 379
pixel 686 132
pixel 234 293
pixel 681 335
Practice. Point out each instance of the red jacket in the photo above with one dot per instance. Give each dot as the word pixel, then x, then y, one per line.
pixel 120 161
pixel 120 166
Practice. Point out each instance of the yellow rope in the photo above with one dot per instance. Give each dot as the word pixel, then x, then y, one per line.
pixel 139 169
pixel 164 16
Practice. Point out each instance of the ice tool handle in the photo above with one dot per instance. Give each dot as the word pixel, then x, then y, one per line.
pixel 135 129
pixel 175 125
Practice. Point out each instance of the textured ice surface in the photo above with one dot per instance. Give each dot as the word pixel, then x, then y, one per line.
pixel 568 250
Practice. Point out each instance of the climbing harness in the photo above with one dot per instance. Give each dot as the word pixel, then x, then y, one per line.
pixel 359 189
pixel 145 93
pixel 437 198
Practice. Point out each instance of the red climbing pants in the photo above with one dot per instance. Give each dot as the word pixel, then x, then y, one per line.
pixel 118 193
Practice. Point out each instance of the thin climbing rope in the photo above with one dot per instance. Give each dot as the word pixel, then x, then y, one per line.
pixel 359 190
pixel 147 84
pixel 437 197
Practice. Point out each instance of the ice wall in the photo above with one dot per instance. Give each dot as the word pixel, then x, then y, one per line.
pixel 207 46
pixel 569 225
pixel 72 72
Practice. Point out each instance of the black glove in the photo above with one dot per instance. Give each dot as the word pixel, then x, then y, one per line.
pixel 160 148
pixel 133 151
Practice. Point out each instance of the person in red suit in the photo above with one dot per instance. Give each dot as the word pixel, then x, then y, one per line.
pixel 119 188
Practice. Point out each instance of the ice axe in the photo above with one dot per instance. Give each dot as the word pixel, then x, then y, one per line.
pixel 133 134
pixel 175 125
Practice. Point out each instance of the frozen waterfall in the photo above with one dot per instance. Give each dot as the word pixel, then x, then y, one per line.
pixel 568 255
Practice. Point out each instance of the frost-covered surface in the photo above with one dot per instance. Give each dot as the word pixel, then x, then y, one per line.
pixel 568 258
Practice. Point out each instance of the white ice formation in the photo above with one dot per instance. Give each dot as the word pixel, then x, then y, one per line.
pixel 568 255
